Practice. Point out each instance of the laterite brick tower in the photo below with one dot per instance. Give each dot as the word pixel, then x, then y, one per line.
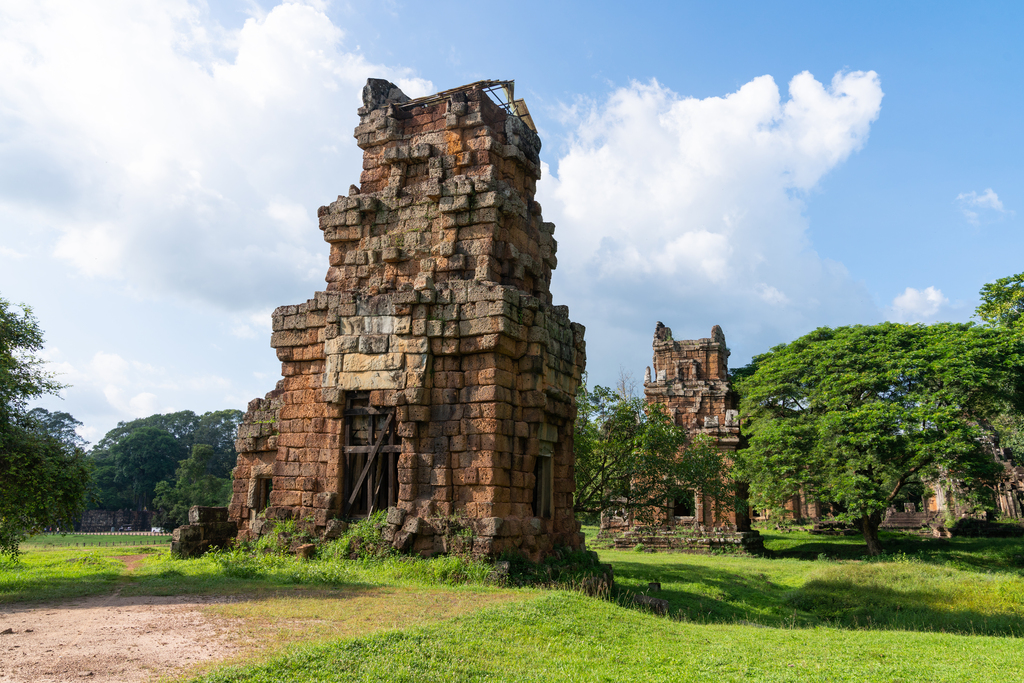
pixel 433 378
pixel 691 379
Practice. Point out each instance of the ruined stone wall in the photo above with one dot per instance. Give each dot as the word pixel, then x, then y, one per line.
pixel 435 343
pixel 1010 494
pixel 1010 489
pixel 97 521
pixel 691 379
pixel 208 527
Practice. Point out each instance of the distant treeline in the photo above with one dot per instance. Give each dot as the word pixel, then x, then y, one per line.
pixel 163 463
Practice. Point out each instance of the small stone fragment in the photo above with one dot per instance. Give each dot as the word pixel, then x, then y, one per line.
pixel 656 605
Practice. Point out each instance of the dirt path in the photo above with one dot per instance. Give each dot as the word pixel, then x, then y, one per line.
pixel 110 638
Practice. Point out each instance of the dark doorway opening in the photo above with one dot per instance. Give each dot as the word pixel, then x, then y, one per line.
pixel 369 456
pixel 542 487
pixel 264 485
pixel 685 506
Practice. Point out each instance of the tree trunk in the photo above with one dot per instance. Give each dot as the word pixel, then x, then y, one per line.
pixel 742 509
pixel 869 527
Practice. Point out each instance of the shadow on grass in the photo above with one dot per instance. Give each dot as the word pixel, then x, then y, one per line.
pixel 918 597
pixel 843 603
pixel 723 596
pixel 987 554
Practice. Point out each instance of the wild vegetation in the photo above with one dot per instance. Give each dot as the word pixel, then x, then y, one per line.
pixel 631 456
pixel 929 610
pixel 43 473
pixel 166 463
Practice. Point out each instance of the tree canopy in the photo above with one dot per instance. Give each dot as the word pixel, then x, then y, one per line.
pixel 22 374
pixel 141 460
pixel 1002 305
pixel 851 415
pixel 631 456
pixel 43 472
pixel 58 424
pixel 1002 302
pixel 192 485
pixel 135 451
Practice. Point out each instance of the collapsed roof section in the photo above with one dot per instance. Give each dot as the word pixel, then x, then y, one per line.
pixel 380 93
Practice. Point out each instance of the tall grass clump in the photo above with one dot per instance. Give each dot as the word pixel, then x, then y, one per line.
pixel 363 540
pixel 360 556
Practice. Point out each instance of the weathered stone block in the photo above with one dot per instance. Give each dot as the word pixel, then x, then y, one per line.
pixel 489 526
pixel 204 515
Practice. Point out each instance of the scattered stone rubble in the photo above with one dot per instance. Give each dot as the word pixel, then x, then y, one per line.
pixel 831 527
pixel 208 527
pixel 434 378
pixel 658 606
pixel 686 539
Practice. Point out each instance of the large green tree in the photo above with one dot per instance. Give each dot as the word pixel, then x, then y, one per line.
pixel 1002 305
pixel 852 415
pixel 216 429
pixel 1002 302
pixel 631 456
pixel 192 485
pixel 43 474
pixel 58 424
pixel 144 458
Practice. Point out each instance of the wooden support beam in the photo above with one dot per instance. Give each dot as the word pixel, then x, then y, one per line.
pixel 369 463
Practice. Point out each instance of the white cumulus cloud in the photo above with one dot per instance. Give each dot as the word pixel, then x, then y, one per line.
pixel 976 206
pixel 11 253
pixel 111 388
pixel 163 151
pixel 918 305
pixel 692 210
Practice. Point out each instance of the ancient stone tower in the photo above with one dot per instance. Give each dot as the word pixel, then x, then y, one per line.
pixel 691 379
pixel 433 378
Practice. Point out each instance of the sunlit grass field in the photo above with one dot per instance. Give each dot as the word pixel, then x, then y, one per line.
pixel 562 636
pixel 930 610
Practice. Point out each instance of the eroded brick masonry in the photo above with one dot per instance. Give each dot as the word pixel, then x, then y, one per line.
pixel 691 379
pixel 434 377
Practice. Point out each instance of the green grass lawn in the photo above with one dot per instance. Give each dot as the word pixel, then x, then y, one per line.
pixel 901 594
pixel 563 636
pixel 55 574
pixel 966 553
pixel 927 611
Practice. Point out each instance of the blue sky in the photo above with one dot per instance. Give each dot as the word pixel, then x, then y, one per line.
pixel 768 167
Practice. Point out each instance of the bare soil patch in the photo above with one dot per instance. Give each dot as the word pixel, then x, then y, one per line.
pixel 111 638
pixel 132 562
pixel 116 638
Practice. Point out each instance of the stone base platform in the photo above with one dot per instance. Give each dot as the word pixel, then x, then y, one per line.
pixel 698 540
